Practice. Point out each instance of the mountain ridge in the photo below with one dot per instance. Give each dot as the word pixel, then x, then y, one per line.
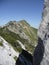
pixel 21 31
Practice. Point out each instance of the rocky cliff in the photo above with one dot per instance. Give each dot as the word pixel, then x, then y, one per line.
pixel 41 53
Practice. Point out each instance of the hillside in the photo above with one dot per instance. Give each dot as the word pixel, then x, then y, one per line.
pixel 21 31
pixel 13 32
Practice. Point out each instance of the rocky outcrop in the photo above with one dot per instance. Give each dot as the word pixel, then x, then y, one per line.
pixel 41 53
pixel 38 53
pixel 7 53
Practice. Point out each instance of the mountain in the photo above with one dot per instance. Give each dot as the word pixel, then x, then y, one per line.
pixel 16 36
pixel 18 41
pixel 23 28
pixel 15 32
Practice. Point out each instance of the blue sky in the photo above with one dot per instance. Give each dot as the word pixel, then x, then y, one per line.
pixel 29 10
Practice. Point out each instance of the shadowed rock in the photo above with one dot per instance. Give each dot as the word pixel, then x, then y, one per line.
pixel 25 58
pixel 38 53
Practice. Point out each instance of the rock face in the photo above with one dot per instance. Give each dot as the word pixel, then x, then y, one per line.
pixel 7 53
pixel 41 53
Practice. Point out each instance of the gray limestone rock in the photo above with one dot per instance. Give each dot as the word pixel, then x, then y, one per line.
pixel 41 53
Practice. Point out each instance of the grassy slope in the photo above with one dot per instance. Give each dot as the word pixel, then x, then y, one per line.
pixel 12 37
pixel 1 44
pixel 30 31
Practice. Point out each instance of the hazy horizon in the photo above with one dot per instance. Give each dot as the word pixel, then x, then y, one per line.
pixel 29 10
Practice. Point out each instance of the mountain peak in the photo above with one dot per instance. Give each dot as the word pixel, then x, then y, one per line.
pixel 23 22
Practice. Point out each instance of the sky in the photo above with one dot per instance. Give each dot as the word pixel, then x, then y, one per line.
pixel 29 10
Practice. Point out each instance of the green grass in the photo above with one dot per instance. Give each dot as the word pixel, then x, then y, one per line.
pixel 11 38
pixel 30 48
pixel 15 58
pixel 32 33
pixel 34 29
pixel 1 44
